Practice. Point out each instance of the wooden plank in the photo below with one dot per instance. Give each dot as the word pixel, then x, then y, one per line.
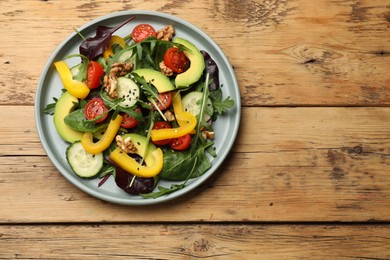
pixel 341 59
pixel 165 241
pixel 288 164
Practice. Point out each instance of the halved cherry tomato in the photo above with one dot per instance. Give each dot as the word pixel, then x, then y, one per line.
pixel 142 31
pixel 164 100
pixel 94 72
pixel 181 143
pixel 161 125
pixel 176 60
pixel 129 121
pixel 94 108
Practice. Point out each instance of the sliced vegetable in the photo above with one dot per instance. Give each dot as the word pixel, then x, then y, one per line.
pixel 84 164
pixel 176 60
pixel 143 31
pixel 168 133
pixel 163 101
pixel 197 65
pixel 181 143
pixel 153 157
pixel 192 103
pixel 129 121
pixel 74 87
pixel 128 90
pixel 178 108
pixel 115 39
pixel 94 72
pixel 161 82
pixel 161 125
pixel 96 108
pixel 64 106
pixel 105 141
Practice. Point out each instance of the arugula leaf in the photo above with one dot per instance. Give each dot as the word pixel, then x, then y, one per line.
pixel 107 170
pixel 219 105
pixel 163 191
pixel 149 91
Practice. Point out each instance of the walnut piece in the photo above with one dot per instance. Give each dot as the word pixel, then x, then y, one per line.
pixel 117 70
pixel 165 70
pixel 208 135
pixel 125 145
pixel 166 34
pixel 169 115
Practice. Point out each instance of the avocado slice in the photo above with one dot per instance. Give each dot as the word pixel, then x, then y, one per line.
pixel 157 79
pixel 64 106
pixel 197 64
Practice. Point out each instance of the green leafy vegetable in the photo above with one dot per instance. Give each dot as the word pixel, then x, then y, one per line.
pixel 49 109
pixel 220 106
pixel 77 121
pixel 94 46
pixel 165 191
pixel 176 163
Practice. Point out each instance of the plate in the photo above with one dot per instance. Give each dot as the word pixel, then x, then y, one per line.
pixel 49 86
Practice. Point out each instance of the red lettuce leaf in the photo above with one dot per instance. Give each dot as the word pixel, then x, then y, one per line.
pixel 93 47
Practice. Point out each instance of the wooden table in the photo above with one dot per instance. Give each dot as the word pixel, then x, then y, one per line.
pixel 309 174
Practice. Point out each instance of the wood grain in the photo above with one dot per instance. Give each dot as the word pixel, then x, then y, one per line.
pixel 330 52
pixel 288 164
pixel 165 241
pixel 313 147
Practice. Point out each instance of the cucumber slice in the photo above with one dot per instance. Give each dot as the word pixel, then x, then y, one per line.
pixel 129 90
pixel 126 56
pixel 84 164
pixel 192 102
pixel 75 70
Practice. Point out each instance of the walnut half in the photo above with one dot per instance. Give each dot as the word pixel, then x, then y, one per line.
pixel 165 70
pixel 117 70
pixel 166 34
pixel 125 144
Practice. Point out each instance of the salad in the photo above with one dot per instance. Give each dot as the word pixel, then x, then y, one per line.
pixel 139 108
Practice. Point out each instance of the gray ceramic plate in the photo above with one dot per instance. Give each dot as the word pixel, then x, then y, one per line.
pixel 50 86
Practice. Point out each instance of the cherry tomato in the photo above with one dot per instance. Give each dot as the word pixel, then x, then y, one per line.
pixel 94 108
pixel 94 72
pixel 166 100
pixel 142 31
pixel 129 121
pixel 181 143
pixel 176 60
pixel 161 125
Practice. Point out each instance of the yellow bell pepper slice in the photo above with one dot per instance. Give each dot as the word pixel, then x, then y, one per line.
pixel 76 88
pixel 154 163
pixel 178 109
pixel 114 40
pixel 167 133
pixel 105 141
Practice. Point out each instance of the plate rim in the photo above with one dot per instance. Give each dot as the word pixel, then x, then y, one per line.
pixel 139 202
